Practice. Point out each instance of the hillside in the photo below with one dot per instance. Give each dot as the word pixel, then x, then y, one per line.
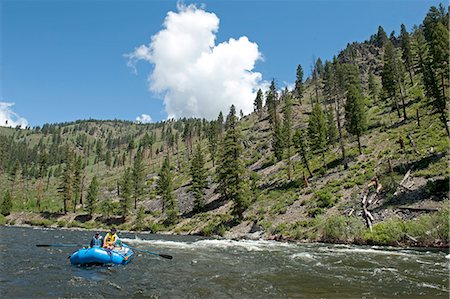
pixel 394 192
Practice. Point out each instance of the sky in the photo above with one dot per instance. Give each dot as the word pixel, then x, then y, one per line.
pixel 147 61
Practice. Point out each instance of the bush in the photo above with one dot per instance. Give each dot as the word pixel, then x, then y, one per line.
pixel 6 206
pixel 341 228
pixel 325 199
pixel 2 219
pixel 40 222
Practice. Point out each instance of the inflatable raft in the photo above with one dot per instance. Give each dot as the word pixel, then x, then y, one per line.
pixel 99 256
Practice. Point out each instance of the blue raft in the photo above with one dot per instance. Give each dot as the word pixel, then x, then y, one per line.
pixel 99 256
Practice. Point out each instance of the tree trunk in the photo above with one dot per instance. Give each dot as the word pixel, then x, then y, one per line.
pixel 359 145
pixel 39 194
pixel 341 139
pixel 306 164
pixel 402 96
pixel 418 117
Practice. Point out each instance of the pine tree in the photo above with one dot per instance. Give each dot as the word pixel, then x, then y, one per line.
pixel 66 185
pixel 355 114
pixel 381 38
pixel 77 170
pixel 108 160
pixel 165 190
pixel 199 178
pixel 6 206
pixel 406 51
pixel 272 103
pixel 126 186
pixel 99 151
pixel 91 198
pixel 332 132
pixel 389 75
pixel 301 146
pixel 139 222
pixel 373 87
pixel 258 104
pixel 287 133
pixel 317 130
pixel 43 165
pixel 231 171
pixel 213 140
pixel 298 89
pixel 138 176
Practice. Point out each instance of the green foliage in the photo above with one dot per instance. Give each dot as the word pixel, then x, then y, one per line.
pixel 355 114
pixel 324 198
pixel 231 171
pixel 6 206
pixel 317 128
pixel 298 88
pixel 139 221
pixel 165 190
pixel 125 192
pixel 91 198
pixel 217 226
pixel 258 104
pixel 199 178
pixel 138 177
pixel 2 219
pixel 341 229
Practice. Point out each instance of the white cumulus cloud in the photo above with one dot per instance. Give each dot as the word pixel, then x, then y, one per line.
pixel 144 119
pixel 9 118
pixel 195 76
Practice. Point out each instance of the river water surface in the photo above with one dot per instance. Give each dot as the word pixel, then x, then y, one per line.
pixel 209 268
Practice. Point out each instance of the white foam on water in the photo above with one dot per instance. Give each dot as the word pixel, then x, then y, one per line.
pixel 302 256
pixel 366 251
pixel 432 286
pixel 249 245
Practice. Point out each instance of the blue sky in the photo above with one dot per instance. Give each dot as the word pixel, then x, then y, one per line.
pixel 64 60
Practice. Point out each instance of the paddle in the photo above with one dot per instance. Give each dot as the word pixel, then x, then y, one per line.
pixel 60 245
pixel 166 256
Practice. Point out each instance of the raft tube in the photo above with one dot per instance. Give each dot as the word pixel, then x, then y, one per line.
pixel 100 256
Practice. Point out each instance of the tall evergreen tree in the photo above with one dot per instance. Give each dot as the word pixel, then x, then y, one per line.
pixel 231 171
pixel 389 76
pixel 199 178
pixel 213 140
pixel 317 130
pixel 406 51
pixel 258 104
pixel 66 185
pixel 287 133
pixel 355 114
pixel 138 176
pixel 126 185
pixel 43 165
pixel 272 103
pixel 301 146
pixel 298 88
pixel 91 198
pixel 381 38
pixel 373 87
pixel 332 132
pixel 165 190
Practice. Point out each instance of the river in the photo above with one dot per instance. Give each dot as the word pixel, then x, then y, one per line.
pixel 210 268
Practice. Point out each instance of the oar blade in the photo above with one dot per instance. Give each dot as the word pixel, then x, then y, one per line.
pixel 166 256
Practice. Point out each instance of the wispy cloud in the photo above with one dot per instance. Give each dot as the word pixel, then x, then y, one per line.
pixel 8 118
pixel 196 76
pixel 144 119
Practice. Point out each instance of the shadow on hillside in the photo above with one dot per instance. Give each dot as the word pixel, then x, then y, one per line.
pixel 111 220
pixel 83 218
pixel 397 124
pixel 208 207
pixel 50 215
pixel 419 164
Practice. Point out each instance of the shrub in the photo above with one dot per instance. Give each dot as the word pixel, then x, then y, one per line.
pixel 6 206
pixel 325 198
pixel 2 219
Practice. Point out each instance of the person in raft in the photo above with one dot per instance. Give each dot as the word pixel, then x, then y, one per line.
pixel 97 240
pixel 111 239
